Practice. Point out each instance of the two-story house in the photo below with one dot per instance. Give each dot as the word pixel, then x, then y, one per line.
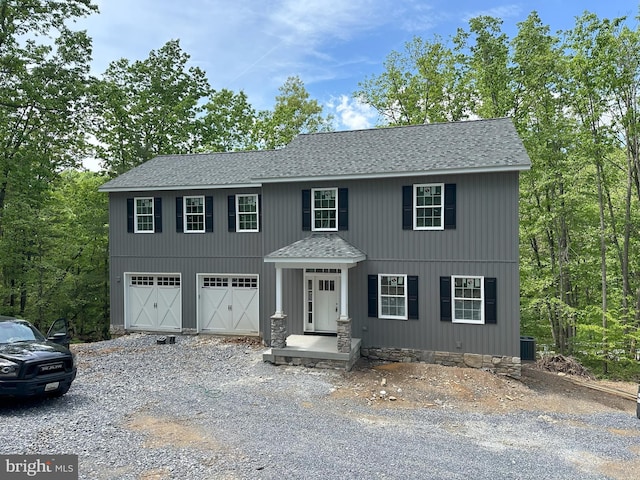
pixel 394 243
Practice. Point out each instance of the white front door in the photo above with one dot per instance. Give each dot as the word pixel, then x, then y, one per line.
pixel 323 303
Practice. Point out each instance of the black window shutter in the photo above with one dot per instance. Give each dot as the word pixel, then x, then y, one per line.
pixel 450 206
pixel 179 216
pixel 445 299
pixel 407 207
pixel 208 214
pixel 130 215
pixel 373 295
pixel 412 297
pixel 306 209
pixel 157 214
pixel 343 209
pixel 490 304
pixel 259 212
pixel 231 200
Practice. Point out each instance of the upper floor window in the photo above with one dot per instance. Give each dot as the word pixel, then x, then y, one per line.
pixel 144 215
pixel 325 209
pixel 247 213
pixel 428 204
pixel 194 214
pixel 244 212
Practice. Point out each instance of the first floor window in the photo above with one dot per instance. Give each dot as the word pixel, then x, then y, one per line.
pixel 144 215
pixel 194 214
pixel 393 296
pixel 468 299
pixel 247 212
pixel 325 209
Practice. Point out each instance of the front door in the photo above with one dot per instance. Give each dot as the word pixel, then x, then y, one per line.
pixel 323 303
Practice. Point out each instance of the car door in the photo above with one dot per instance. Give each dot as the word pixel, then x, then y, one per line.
pixel 58 332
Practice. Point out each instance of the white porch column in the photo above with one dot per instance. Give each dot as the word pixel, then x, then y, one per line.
pixel 279 291
pixel 344 293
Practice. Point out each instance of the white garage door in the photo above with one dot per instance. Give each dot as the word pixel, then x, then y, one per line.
pixel 154 302
pixel 228 304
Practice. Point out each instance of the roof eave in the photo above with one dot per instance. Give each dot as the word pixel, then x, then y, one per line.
pixel 167 188
pixel 303 262
pixel 368 176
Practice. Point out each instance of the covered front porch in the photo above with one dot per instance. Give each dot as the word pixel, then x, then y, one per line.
pixel 325 259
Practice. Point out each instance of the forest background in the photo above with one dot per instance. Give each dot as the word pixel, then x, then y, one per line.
pixel 573 95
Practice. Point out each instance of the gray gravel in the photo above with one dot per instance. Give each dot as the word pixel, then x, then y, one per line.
pixel 208 409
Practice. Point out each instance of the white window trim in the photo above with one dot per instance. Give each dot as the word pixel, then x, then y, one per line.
pixel 184 214
pixel 136 215
pixel 406 305
pixel 415 206
pixel 453 300
pixel 257 213
pixel 313 210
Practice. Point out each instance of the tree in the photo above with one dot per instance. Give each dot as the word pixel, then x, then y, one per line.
pixel 42 122
pixel 148 108
pixel 488 62
pixel 293 113
pixel 424 84
pixel 228 123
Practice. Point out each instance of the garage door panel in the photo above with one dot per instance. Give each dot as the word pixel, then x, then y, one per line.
pixel 229 304
pixel 154 302
pixel 245 309
pixel 213 309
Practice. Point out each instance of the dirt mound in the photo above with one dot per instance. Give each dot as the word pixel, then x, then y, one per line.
pixel 562 364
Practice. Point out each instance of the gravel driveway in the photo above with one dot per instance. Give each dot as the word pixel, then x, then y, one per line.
pixel 206 408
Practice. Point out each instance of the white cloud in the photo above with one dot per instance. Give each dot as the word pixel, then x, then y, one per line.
pixel 503 12
pixel 352 114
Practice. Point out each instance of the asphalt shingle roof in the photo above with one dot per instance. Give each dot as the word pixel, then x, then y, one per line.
pixel 204 170
pixel 325 246
pixel 460 147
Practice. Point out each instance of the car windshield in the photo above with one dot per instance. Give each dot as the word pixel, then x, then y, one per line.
pixel 18 332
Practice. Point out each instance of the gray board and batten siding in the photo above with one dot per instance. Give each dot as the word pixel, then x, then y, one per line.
pixel 482 158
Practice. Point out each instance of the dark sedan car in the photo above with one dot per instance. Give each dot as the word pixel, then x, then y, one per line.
pixel 31 364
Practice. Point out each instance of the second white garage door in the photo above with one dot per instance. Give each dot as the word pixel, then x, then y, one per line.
pixel 228 304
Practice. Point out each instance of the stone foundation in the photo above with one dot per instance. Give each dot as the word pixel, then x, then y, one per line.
pixel 117 330
pixel 500 365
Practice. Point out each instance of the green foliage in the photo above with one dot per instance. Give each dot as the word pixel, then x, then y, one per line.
pixel 147 108
pixel 421 85
pixel 293 113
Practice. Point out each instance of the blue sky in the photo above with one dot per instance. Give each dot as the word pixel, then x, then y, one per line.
pixel 254 45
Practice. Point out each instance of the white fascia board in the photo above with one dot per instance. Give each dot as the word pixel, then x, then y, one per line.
pixel 314 262
pixel 368 176
pixel 168 188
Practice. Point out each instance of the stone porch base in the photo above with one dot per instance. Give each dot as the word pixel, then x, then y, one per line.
pixel 314 351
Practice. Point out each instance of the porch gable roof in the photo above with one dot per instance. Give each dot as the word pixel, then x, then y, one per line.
pixel 317 248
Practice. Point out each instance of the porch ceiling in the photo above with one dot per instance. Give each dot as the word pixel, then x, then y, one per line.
pixel 317 248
